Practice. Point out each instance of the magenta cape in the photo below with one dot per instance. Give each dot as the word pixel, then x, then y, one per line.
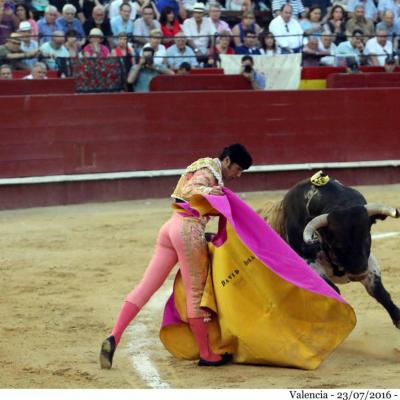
pixel 271 307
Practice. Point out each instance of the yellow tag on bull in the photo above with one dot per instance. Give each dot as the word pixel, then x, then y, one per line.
pixel 319 179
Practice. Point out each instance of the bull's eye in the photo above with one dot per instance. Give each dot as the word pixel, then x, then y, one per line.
pixel 316 237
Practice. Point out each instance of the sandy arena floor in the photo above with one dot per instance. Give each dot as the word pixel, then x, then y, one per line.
pixel 64 272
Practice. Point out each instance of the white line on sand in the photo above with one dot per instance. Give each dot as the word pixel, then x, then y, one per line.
pixel 141 341
pixel 385 235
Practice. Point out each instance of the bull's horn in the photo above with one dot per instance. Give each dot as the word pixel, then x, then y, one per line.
pixel 374 209
pixel 312 226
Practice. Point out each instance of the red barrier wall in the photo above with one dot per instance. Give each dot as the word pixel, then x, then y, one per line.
pixel 36 86
pixel 45 135
pixel 363 80
pixel 68 134
pixel 175 83
pixel 324 72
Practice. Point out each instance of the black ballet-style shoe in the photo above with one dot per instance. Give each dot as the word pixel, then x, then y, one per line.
pixel 107 353
pixel 226 358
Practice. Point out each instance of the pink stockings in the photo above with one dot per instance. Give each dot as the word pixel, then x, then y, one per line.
pixel 125 316
pixel 200 331
pixel 181 239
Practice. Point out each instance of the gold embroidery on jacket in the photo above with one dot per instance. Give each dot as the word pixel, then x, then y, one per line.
pixel 199 178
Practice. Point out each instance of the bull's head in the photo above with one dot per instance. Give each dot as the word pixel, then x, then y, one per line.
pixel 345 236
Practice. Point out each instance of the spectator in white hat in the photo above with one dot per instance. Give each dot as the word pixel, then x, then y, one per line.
pixel 95 48
pixel 27 43
pixel 199 30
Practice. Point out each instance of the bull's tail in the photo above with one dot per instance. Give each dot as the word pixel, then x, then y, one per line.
pixel 272 212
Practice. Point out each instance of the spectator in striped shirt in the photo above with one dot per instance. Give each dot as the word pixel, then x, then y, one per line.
pixel 297 6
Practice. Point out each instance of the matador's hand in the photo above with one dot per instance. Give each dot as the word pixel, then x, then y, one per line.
pixel 216 191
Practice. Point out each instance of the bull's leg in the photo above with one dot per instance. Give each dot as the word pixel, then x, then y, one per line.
pixel 375 288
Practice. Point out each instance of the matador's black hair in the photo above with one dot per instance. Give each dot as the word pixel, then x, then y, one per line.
pixel 238 154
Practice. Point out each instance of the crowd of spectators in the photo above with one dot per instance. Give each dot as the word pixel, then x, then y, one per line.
pixel 158 37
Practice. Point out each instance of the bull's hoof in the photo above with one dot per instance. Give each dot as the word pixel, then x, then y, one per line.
pixel 397 324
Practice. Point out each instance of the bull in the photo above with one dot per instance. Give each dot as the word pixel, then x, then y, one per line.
pixel 329 226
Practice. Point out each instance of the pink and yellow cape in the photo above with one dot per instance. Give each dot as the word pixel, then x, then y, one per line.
pixel 270 306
